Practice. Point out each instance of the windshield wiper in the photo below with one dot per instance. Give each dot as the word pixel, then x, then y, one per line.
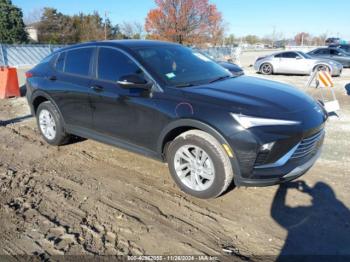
pixel 221 78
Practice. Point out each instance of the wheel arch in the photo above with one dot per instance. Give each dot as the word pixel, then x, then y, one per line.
pixel 40 97
pixel 174 129
pixel 322 64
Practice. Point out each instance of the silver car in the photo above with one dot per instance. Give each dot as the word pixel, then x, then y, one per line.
pixel 295 62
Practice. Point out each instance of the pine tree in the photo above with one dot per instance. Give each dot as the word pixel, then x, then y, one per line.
pixel 12 28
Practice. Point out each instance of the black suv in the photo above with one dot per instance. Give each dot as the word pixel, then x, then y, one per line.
pixel 177 105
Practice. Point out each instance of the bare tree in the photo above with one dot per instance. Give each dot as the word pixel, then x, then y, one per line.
pixel 34 16
pixel 302 38
pixel 132 30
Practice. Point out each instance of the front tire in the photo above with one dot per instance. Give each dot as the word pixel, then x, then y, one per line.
pixel 51 125
pixel 322 68
pixel 199 164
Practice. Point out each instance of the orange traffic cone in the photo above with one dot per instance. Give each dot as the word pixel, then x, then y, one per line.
pixel 9 86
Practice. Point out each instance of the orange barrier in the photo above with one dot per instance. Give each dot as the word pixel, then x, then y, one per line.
pixel 325 79
pixel 9 86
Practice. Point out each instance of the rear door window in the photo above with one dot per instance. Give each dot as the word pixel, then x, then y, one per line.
pixel 113 64
pixel 78 61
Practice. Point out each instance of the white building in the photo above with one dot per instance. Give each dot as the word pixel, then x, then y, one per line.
pixel 32 32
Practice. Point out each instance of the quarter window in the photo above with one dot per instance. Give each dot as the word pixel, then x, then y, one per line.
pixel 78 61
pixel 113 64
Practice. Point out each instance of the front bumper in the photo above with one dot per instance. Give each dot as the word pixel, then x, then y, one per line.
pixel 291 175
pixel 257 66
pixel 289 158
pixel 337 71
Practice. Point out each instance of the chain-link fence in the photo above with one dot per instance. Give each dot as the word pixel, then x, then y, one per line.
pixel 231 54
pixel 23 55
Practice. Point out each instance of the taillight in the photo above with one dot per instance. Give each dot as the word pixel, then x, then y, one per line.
pixel 29 74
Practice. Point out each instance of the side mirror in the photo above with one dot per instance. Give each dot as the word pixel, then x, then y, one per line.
pixel 298 57
pixel 134 81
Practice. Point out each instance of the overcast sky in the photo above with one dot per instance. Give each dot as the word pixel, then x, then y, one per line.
pixel 242 16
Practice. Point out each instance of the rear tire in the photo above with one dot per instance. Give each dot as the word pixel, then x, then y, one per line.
pixel 266 69
pixel 51 125
pixel 199 164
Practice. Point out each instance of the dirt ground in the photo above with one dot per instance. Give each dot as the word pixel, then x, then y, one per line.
pixel 88 198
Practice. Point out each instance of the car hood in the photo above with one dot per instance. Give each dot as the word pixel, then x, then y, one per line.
pixel 249 95
pixel 230 66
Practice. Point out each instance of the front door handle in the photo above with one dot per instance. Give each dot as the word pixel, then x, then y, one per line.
pixel 97 88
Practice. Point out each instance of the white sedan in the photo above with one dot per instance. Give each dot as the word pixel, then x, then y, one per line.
pixel 295 62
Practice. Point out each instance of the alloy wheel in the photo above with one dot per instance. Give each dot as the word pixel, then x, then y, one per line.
pixel 266 69
pixel 194 167
pixel 47 124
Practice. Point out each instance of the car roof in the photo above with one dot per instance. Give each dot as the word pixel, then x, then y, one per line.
pixel 332 48
pixel 125 44
pixel 283 52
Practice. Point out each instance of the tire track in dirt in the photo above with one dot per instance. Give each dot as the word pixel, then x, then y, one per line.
pixel 59 185
pixel 89 198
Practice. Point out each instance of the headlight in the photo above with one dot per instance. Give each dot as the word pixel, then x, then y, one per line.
pixel 248 121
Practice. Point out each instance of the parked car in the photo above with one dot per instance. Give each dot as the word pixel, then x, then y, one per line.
pixel 174 104
pixel 233 68
pixel 336 54
pixel 332 41
pixel 230 66
pixel 295 62
pixel 345 47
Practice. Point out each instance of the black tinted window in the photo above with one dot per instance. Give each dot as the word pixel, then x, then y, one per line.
pixel 322 52
pixel 287 55
pixel 290 55
pixel 335 52
pixel 78 61
pixel 112 64
pixel 60 62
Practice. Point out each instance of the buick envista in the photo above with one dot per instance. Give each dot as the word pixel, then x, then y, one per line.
pixel 172 103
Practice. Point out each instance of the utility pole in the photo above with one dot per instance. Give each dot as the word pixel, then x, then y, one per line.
pixel 302 39
pixel 273 35
pixel 106 17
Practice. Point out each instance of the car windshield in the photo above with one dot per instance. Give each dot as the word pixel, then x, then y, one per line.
pixel 180 66
pixel 306 56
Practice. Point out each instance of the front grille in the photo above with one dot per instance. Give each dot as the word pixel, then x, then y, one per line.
pixel 309 146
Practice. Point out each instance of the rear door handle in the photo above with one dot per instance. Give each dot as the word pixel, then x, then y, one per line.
pixel 52 78
pixel 96 88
